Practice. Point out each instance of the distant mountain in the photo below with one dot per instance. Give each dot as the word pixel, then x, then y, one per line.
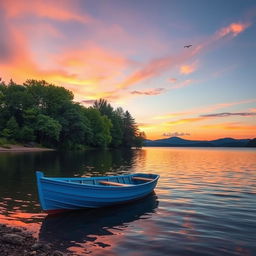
pixel 179 142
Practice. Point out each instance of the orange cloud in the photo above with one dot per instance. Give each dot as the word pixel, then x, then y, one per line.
pixel 20 64
pixel 90 71
pixel 99 66
pixel 145 125
pixel 186 120
pixel 196 119
pixel 205 109
pixel 82 71
pixel 94 61
pixel 188 69
pixel 234 29
pixel 154 68
pixel 171 115
pixel 230 126
pixel 158 66
pixel 58 10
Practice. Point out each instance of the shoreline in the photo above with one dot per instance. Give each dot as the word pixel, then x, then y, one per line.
pixel 18 242
pixel 19 148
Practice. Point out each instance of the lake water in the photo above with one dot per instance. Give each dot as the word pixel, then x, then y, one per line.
pixel 204 203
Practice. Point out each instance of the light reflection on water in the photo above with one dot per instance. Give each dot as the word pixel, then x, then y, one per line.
pixel 204 203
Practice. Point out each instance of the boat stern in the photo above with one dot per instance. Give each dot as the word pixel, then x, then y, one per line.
pixel 40 175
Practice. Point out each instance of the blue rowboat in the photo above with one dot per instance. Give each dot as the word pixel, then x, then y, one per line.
pixel 59 194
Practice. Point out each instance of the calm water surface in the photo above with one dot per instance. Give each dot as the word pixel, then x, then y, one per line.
pixel 204 204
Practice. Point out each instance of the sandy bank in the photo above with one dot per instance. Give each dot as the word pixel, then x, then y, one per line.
pixel 19 148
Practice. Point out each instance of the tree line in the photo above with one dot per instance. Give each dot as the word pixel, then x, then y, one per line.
pixel 39 112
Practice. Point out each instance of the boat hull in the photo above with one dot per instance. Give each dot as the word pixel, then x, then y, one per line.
pixel 56 194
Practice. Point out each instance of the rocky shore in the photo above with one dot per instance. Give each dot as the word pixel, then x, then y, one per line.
pixel 17 242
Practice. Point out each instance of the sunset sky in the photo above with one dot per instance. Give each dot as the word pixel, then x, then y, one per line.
pixel 131 52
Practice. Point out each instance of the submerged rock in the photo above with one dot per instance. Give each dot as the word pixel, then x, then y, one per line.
pixel 17 242
pixel 13 239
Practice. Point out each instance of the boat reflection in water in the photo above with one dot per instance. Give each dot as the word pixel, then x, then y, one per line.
pixel 72 229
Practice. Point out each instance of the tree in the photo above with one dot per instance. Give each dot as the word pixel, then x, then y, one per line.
pixel 27 134
pixel 101 128
pixel 139 139
pixel 17 100
pixel 29 116
pixel 42 112
pixel 11 131
pixel 48 130
pixel 76 128
pixel 48 98
pixel 116 130
pixel 104 107
pixel 4 114
pixel 130 130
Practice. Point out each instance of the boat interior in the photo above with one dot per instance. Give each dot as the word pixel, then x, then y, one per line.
pixel 121 181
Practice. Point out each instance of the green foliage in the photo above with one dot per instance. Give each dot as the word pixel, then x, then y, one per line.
pixel 3 142
pixel 116 117
pixel 76 126
pixel 47 97
pixel 130 130
pixel 27 134
pixel 101 133
pixel 117 130
pixel 48 129
pixel 104 107
pixel 11 131
pixel 139 139
pixel 44 113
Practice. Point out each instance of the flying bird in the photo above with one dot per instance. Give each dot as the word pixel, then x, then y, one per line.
pixel 187 46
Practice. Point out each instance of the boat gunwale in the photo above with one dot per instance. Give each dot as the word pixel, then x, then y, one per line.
pixel 65 181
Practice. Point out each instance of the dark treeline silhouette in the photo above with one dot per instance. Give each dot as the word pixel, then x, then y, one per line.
pixel 39 112
pixel 252 143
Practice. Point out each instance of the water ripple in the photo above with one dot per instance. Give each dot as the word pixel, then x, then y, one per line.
pixel 204 204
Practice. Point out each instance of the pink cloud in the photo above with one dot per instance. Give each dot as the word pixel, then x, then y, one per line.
pixel 228 114
pixel 151 92
pixel 172 80
pixel 154 68
pixel 57 10
pixel 42 30
pixel 84 66
pixel 158 66
pixel 182 84
pixel 234 29
pixel 175 134
pixel 94 62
